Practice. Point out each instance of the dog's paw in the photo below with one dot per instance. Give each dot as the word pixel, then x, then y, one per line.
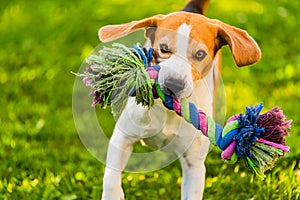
pixel 113 194
pixel 122 196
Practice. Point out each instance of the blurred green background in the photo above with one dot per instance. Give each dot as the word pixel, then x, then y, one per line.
pixel 41 155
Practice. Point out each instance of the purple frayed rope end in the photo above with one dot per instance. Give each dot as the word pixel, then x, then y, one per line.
pixel 275 126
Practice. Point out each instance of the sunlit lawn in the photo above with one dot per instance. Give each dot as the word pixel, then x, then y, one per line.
pixel 41 155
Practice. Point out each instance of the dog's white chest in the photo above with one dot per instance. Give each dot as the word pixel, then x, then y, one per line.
pixel 142 122
pixel 158 127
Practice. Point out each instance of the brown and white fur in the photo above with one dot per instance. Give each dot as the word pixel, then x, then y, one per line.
pixel 186 44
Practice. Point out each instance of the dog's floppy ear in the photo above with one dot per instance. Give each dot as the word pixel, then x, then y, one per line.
pixel 112 32
pixel 244 49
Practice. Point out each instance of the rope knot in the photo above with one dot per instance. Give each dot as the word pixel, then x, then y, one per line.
pixel 240 134
pixel 249 131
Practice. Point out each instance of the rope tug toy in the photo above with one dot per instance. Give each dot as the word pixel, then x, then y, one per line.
pixel 256 138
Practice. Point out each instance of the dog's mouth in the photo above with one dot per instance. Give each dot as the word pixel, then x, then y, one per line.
pixel 169 92
pixel 181 95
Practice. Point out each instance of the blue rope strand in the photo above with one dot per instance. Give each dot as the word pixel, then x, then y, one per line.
pixel 194 116
pixel 141 54
pixel 168 102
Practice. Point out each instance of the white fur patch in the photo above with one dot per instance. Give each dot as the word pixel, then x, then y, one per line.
pixel 177 66
pixel 182 42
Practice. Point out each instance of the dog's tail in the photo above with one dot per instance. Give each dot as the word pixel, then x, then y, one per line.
pixel 196 6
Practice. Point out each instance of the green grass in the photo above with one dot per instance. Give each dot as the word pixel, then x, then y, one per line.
pixel 41 155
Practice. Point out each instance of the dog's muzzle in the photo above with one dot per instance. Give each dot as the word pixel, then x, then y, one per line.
pixel 174 87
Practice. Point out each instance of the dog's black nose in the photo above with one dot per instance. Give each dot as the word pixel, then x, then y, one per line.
pixel 173 86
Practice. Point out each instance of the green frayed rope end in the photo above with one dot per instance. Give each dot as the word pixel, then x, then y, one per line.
pixel 115 74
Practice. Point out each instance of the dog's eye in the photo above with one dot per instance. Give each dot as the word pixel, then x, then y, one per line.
pixel 164 48
pixel 200 55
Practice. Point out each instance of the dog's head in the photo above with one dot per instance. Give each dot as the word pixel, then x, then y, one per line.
pixel 185 45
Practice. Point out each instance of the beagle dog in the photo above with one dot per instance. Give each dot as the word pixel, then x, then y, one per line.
pixel 186 45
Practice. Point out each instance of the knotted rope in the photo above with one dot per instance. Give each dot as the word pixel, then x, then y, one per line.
pixel 254 138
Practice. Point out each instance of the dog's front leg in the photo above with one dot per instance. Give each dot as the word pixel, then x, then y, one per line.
pixel 193 169
pixel 119 150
